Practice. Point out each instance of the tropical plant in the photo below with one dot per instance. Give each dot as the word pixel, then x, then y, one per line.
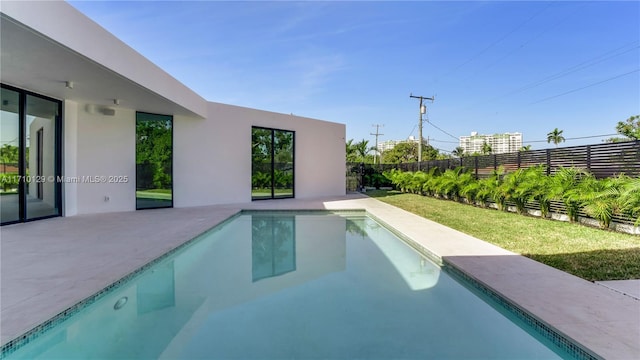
pixel 514 188
pixel 563 187
pixel 555 136
pixel 525 148
pixel 458 152
pixel 8 155
pixel 630 199
pixel 452 182
pixel 361 149
pixel 350 152
pixel 601 198
pixel 535 187
pixel 430 185
pixel 486 149
pixel 496 190
pixel 470 191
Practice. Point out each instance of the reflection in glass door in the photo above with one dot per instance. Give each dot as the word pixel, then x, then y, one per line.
pixel 40 157
pixel 272 165
pixel 9 155
pixel 30 155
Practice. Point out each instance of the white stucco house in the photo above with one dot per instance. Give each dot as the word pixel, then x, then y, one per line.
pixel 74 98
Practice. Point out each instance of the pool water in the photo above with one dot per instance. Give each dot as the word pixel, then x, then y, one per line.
pixel 291 286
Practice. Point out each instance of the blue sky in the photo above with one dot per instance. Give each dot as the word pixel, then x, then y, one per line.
pixel 504 66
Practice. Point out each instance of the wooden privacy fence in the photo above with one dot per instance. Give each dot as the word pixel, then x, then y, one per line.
pixel 602 160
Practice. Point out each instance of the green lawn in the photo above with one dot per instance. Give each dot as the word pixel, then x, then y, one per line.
pixel 589 253
pixel 162 194
pixel 267 192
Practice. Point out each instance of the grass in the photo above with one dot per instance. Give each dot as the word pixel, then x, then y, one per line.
pixel 162 194
pixel 589 253
pixel 267 192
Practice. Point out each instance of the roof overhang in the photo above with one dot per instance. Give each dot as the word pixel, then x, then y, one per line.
pixel 43 45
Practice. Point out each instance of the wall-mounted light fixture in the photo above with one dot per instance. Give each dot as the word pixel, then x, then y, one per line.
pixel 116 101
pixel 69 84
pixel 97 109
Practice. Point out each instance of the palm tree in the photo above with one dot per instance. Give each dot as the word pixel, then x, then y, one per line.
pixel 555 136
pixel 350 151
pixel 525 148
pixel 458 152
pixel 362 149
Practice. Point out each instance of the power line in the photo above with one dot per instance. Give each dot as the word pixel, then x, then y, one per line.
pixel 445 141
pixel 412 130
pixel 584 87
pixel 575 138
pixel 583 65
pixel 499 40
pixel 434 125
pixel 580 66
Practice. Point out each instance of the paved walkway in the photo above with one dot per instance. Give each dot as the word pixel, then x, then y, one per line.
pixel 49 265
pixel 627 287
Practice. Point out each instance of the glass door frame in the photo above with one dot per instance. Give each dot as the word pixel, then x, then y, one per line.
pixel 22 161
pixel 272 163
pixel 170 205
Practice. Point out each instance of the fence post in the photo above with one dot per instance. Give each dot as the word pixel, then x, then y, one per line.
pixel 548 162
pixel 589 158
pixel 495 162
pixel 518 160
pixel 476 161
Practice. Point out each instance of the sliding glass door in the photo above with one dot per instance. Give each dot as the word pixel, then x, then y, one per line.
pixel 10 156
pixel 30 128
pixel 154 161
pixel 272 159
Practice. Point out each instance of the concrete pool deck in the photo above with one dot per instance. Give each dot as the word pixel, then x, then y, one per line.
pixel 49 265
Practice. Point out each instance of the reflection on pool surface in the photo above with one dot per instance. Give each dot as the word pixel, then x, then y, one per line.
pixel 284 285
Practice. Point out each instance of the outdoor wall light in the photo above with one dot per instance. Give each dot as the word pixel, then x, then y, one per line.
pixel 116 101
pixel 68 84
pixel 97 109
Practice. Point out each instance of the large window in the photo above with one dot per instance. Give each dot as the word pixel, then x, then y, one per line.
pixel 272 169
pixel 154 161
pixel 30 160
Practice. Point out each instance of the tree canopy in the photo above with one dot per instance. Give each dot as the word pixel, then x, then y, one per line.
pixel 406 152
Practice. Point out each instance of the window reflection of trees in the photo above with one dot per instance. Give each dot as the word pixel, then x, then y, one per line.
pixel 272 157
pixel 154 161
pixel 273 246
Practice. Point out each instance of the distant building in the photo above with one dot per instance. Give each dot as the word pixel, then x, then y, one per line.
pixel 390 144
pixel 500 143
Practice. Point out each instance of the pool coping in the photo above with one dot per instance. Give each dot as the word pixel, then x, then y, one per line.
pixel 609 344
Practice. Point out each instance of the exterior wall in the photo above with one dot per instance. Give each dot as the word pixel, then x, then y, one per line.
pixel 212 157
pixel 105 147
pixel 212 142
pixel 69 156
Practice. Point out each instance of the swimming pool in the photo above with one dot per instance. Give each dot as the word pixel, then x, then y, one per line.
pixel 291 285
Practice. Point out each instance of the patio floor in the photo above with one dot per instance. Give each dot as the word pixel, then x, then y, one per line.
pixel 49 265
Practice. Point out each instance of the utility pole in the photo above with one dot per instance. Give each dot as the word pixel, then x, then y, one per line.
pixel 377 134
pixel 423 109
